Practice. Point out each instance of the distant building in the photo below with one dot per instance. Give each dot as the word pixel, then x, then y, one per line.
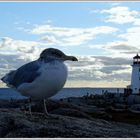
pixel 135 77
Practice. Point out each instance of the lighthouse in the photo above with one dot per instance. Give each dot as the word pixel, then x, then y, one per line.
pixel 135 77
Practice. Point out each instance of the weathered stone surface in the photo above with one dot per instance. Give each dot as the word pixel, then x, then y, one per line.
pixel 74 117
pixel 17 124
pixel 70 112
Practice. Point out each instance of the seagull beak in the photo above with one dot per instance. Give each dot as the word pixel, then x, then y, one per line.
pixel 71 58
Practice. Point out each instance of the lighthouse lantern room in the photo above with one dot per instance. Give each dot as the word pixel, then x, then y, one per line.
pixel 135 77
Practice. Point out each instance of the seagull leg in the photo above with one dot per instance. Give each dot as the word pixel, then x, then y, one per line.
pixel 46 112
pixel 45 108
pixel 30 107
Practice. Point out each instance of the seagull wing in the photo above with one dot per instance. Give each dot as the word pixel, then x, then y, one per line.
pixel 25 74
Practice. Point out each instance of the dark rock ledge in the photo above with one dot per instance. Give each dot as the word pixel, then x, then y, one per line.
pixel 70 119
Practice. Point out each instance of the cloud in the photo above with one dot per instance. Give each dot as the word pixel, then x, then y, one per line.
pixel 49 39
pixel 137 22
pixel 126 42
pixel 68 32
pixel 113 61
pixel 24 49
pixel 15 53
pixel 127 47
pixel 90 68
pixel 66 36
pixel 123 49
pixel 9 62
pixel 132 36
pixel 100 68
pixel 121 15
pixel 113 67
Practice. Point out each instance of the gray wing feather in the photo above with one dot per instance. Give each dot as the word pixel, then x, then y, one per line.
pixel 25 74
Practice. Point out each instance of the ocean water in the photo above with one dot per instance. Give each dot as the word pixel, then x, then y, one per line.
pixel 7 93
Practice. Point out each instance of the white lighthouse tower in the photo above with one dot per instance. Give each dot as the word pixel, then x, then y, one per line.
pixel 135 77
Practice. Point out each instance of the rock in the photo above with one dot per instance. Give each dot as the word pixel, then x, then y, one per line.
pixel 71 118
pixel 16 124
pixel 52 105
pixel 120 106
pixel 133 99
pixel 135 108
pixel 12 103
pixel 70 112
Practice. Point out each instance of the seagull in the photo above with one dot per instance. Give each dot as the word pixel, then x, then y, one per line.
pixel 42 78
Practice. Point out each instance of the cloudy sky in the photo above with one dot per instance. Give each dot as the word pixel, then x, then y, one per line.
pixel 103 35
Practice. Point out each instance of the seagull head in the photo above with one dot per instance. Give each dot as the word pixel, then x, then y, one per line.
pixel 55 54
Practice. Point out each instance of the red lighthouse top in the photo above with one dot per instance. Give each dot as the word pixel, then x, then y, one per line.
pixel 136 59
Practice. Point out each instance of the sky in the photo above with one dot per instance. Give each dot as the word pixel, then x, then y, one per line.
pixel 104 36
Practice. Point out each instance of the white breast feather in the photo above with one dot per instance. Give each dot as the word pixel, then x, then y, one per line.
pixel 52 79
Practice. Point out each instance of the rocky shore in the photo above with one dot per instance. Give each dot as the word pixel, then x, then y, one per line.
pixel 87 116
